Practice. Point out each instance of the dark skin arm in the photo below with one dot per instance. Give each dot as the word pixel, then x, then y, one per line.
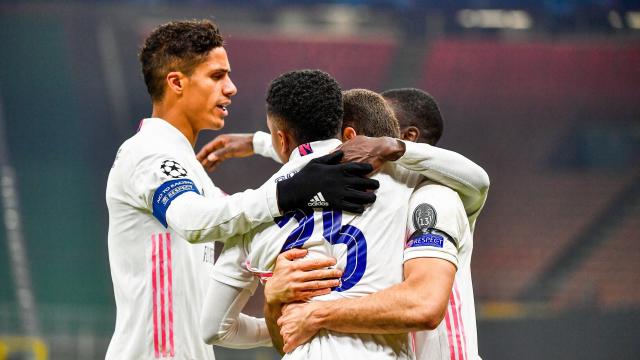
pixel 225 147
pixel 375 151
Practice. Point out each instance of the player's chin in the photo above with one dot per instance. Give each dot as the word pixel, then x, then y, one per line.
pixel 216 123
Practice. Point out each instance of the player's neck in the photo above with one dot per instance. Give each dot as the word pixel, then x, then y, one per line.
pixel 177 118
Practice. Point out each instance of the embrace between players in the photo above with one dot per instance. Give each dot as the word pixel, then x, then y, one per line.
pixel 349 272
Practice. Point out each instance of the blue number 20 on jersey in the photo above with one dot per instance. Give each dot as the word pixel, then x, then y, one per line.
pixel 335 233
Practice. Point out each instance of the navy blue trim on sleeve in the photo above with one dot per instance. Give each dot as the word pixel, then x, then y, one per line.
pixel 166 193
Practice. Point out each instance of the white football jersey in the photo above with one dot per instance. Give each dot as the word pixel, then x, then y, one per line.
pixel 159 278
pixel 437 226
pixel 366 248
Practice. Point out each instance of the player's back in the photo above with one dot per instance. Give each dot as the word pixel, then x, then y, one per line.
pixel 369 251
pixel 368 248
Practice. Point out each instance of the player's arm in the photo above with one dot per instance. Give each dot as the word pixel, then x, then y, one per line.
pixel 271 315
pixel 222 322
pixel 295 280
pixel 444 166
pixel 231 286
pixel 176 201
pixel 227 146
pixel 447 167
pixel 418 303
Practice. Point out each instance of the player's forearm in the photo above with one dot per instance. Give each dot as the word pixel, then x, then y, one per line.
pixel 246 333
pixel 223 324
pixel 200 219
pixel 451 169
pixel 271 315
pixel 395 310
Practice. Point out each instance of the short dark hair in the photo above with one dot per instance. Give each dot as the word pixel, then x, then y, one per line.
pixel 369 114
pixel 415 107
pixel 308 103
pixel 176 46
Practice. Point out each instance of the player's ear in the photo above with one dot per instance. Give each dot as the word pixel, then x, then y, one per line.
pixel 175 82
pixel 348 133
pixel 410 133
pixel 285 143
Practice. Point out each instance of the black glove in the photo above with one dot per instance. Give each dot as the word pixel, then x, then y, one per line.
pixel 325 183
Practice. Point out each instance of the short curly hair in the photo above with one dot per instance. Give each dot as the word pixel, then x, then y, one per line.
pixel 176 46
pixel 415 107
pixel 369 114
pixel 308 103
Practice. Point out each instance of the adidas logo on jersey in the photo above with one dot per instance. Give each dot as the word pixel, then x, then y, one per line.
pixel 318 201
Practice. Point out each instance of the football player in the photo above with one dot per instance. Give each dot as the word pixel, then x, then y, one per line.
pixel 160 199
pixel 437 275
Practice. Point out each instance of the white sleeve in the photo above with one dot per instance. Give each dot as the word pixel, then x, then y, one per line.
pixel 222 323
pixel 230 267
pixel 449 168
pixel 230 288
pixel 200 219
pixel 263 146
pixel 161 184
pixel 436 223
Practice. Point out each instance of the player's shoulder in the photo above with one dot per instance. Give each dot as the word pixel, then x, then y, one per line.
pixel 398 174
pixel 439 198
pixel 291 167
pixel 284 173
pixel 144 142
pixel 437 192
pixel 143 148
pixel 435 206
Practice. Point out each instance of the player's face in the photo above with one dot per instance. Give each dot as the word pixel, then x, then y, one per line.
pixel 208 91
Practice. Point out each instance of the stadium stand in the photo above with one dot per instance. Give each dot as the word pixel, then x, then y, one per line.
pixel 555 73
pixel 608 277
pixel 257 60
pixel 533 94
pixel 522 233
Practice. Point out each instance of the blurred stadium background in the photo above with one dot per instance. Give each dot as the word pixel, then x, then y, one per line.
pixel 545 95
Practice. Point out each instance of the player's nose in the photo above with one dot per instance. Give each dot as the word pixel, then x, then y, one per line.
pixel 229 88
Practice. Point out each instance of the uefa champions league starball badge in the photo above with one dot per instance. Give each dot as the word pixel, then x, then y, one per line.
pixel 173 169
pixel 424 217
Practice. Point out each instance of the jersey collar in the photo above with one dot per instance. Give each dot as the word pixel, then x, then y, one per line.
pixel 314 149
pixel 158 124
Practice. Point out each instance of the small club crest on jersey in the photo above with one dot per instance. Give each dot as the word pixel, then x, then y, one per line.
pixel 173 169
pixel 305 149
pixel 424 217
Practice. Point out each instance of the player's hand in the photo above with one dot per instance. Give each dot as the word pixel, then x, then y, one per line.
pixel 327 184
pixel 300 280
pixel 224 147
pixel 370 150
pixel 298 324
